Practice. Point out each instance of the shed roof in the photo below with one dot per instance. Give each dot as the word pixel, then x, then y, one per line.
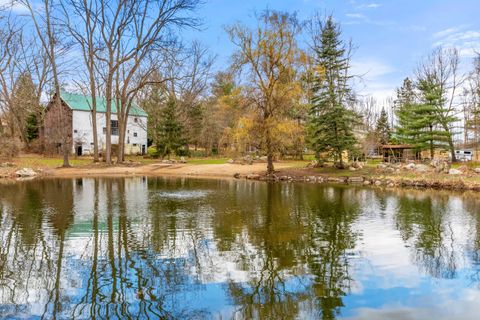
pixel 84 103
pixel 397 146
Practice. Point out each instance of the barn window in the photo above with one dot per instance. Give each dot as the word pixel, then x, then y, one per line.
pixel 134 144
pixel 114 124
pixel 75 131
pixel 134 134
pixel 135 120
pixel 104 130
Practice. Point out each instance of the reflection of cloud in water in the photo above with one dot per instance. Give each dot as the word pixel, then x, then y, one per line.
pixel 182 194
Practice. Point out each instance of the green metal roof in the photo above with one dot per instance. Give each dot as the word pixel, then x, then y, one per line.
pixel 84 103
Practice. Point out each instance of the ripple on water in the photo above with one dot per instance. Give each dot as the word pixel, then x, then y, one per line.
pixel 182 194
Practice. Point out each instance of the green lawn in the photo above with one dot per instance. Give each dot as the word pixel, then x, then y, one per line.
pixel 207 160
pixel 33 161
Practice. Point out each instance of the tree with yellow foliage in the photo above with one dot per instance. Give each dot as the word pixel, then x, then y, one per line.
pixel 268 54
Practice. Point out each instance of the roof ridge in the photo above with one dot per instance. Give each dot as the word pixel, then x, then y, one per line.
pixel 82 102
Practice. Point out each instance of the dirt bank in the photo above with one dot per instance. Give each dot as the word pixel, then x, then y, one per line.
pixel 161 169
pixel 285 171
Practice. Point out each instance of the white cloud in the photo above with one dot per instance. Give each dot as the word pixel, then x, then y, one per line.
pixel 446 32
pixel 466 41
pixel 369 6
pixel 358 18
pixel 372 78
pixel 355 15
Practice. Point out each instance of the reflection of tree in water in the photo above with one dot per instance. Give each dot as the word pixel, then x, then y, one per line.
pixel 287 246
pixel 422 219
pixel 471 205
pixel 297 230
pixel 27 253
pixel 120 276
pixel 331 236
pixel 128 279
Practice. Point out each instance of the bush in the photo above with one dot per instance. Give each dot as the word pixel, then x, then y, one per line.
pixel 36 146
pixel 153 152
pixel 10 147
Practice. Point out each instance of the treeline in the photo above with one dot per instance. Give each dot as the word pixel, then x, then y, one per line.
pixel 288 86
pixel 278 96
pixel 113 49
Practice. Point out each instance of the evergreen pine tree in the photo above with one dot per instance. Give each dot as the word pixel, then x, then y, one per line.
pixel 27 109
pixel 419 122
pixel 405 104
pixel 428 114
pixel 331 122
pixel 170 131
pixel 382 129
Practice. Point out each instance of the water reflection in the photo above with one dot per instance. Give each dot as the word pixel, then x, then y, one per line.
pixel 184 248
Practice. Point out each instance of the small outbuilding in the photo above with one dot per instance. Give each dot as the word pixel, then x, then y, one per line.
pixel 398 153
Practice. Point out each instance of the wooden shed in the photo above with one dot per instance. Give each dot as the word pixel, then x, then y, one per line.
pixel 399 153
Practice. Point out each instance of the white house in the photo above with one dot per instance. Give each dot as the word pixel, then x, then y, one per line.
pixel 78 121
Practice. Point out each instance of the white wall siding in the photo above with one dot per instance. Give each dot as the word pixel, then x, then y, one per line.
pixel 83 132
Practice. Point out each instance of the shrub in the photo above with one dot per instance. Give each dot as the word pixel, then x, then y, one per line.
pixel 10 147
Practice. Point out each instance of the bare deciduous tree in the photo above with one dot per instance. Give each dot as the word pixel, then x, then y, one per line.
pixel 46 32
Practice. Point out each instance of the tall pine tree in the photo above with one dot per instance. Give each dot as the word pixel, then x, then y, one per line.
pixel 331 122
pixel 382 129
pixel 418 116
pixel 170 131
pixel 403 110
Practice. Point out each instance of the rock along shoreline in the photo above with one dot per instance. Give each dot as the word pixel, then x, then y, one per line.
pixel 385 182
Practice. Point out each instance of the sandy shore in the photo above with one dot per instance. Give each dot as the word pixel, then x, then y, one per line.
pixel 161 169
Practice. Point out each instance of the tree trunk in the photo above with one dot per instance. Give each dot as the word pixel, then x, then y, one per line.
pixel 108 116
pixel 121 138
pixel 452 148
pixel 94 124
pixel 450 143
pixel 268 142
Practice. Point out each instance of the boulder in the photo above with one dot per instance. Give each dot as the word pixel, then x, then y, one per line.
pixel 7 164
pixel 352 169
pixel 356 165
pixel 421 168
pixel 355 179
pixel 231 161
pixel 410 166
pixel 25 172
pixel 182 160
pixel 477 170
pixel 253 176
pixel 382 166
pixel 454 172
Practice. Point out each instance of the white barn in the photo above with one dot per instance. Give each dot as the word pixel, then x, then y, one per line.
pixel 79 122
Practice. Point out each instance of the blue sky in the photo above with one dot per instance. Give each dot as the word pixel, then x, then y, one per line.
pixel 391 36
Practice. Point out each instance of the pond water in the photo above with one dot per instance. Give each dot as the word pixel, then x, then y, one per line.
pixel 221 249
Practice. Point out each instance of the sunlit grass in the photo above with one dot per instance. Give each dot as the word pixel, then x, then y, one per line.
pixel 37 161
pixel 207 160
